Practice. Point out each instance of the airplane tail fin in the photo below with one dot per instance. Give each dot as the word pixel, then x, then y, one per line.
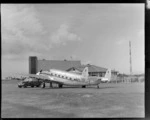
pixel 85 72
pixel 108 74
pixel 38 73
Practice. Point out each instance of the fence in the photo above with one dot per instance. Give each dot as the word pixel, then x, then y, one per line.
pixel 128 79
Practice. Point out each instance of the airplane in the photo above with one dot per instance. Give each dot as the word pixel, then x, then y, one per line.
pixel 71 79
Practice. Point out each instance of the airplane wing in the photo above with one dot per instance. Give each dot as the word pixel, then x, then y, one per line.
pixel 34 76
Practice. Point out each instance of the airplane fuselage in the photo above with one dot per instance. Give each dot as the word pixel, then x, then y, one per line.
pixel 66 78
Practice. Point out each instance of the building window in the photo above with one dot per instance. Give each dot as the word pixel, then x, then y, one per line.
pixel 100 74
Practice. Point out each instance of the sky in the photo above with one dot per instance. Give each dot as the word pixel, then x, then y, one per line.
pixel 97 34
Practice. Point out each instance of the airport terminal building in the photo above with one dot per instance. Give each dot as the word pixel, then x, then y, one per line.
pixel 36 65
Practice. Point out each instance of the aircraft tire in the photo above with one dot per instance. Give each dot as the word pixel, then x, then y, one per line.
pixel 32 86
pixel 60 86
pixel 20 86
pixel 83 86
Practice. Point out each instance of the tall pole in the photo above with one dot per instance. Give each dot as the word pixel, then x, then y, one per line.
pixel 130 58
pixel 130 61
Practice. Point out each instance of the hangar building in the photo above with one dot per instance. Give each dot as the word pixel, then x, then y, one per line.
pixel 36 65
pixel 94 70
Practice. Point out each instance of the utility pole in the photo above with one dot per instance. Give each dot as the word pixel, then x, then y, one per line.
pixel 130 58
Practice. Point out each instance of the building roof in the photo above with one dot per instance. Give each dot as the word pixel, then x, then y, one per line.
pixel 57 64
pixel 92 68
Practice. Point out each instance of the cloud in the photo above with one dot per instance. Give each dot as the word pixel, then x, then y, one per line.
pixel 63 35
pixel 16 18
pixel 21 30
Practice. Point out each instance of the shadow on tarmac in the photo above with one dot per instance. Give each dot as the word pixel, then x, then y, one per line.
pixel 70 87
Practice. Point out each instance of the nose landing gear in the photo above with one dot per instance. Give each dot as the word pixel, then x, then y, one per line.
pixel 83 86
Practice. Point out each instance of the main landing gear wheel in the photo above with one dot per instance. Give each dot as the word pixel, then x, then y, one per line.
pixel 43 85
pixel 98 86
pixel 83 86
pixel 60 86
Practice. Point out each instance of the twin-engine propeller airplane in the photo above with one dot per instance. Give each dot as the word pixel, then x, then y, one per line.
pixel 66 78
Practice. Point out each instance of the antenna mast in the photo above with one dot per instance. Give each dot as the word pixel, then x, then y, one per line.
pixel 130 58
